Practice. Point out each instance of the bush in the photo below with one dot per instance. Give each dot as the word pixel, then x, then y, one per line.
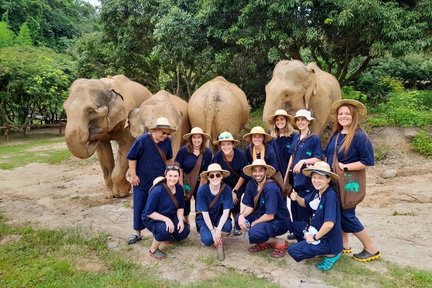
pixel 422 143
pixel 348 92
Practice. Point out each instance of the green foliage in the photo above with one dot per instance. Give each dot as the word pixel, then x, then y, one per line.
pixel 348 92
pixel 24 36
pixel 379 88
pixel 422 143
pixel 6 35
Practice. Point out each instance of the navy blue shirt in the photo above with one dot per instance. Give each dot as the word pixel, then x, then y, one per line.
pixel 328 210
pixel 309 147
pixel 149 162
pixel 159 201
pixel 270 202
pixel 282 146
pixel 205 197
pixel 238 162
pixel 361 149
pixel 187 160
pixel 270 156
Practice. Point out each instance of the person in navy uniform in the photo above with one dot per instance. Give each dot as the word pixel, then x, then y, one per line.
pixel 233 160
pixel 265 215
pixel 193 158
pixel 354 152
pixel 147 160
pixel 163 214
pixel 323 235
pixel 214 202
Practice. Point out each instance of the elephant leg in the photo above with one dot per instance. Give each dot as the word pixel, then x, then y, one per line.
pixel 106 160
pixel 121 187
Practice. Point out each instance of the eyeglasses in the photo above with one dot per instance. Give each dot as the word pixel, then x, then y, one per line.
pixel 217 175
pixel 166 133
pixel 172 168
pixel 222 137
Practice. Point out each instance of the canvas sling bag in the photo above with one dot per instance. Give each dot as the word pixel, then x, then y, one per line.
pixel 192 177
pixel 214 201
pixel 171 195
pixel 161 153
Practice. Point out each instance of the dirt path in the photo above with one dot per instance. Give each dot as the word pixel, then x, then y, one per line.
pixel 396 212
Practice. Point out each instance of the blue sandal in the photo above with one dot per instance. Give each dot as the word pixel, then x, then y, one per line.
pixel 134 238
pixel 328 262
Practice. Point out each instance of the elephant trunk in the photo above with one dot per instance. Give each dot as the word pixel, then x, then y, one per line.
pixel 78 142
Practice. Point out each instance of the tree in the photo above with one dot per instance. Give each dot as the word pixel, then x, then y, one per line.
pixel 6 35
pixel 24 37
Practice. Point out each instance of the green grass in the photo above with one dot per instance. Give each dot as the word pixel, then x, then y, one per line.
pixel 20 151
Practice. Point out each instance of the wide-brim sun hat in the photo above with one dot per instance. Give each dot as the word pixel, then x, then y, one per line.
pixel 257 130
pixel 225 136
pixel 196 131
pixel 279 112
pixel 259 162
pixel 301 113
pixel 215 167
pixel 163 123
pixel 362 111
pixel 320 167
pixel 157 181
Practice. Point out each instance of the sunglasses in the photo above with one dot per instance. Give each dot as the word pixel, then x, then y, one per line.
pixel 217 175
pixel 166 133
pixel 172 168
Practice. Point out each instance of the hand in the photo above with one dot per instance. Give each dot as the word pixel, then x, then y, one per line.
pixel 180 226
pixel 294 195
pixel 217 237
pixel 241 222
pixel 169 225
pixel 309 238
pixel 234 195
pixel 341 166
pixel 135 180
pixel 298 166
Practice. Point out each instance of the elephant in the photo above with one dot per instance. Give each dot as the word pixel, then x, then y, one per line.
pixel 296 86
pixel 162 104
pixel 96 111
pixel 218 106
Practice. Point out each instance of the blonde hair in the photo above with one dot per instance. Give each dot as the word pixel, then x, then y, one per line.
pixel 355 125
pixel 288 130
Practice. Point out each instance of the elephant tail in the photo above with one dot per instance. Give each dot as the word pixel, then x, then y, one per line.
pixel 210 116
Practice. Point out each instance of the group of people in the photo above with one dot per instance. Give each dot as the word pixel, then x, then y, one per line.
pixel 256 177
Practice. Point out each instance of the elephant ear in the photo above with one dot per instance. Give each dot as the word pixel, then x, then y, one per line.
pixel 116 107
pixel 312 88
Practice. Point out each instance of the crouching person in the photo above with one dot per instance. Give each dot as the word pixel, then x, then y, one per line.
pixel 163 214
pixel 266 214
pixel 323 237
pixel 214 202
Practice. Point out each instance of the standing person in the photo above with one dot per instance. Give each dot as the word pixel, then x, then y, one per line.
pixel 234 160
pixel 305 150
pixel 283 133
pixel 265 211
pixel 147 160
pixel 193 158
pixel 324 235
pixel 354 151
pixel 214 202
pixel 163 214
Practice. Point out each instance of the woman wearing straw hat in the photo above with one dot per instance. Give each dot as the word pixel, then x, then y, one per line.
pixel 147 160
pixel 193 158
pixel 282 132
pixel 305 150
pixel 324 234
pixel 214 202
pixel 354 151
pixel 234 160
pixel 163 214
pixel 265 210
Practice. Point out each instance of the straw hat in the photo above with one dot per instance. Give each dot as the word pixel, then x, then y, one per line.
pixel 279 112
pixel 215 167
pixel 163 123
pixel 157 181
pixel 225 136
pixel 362 111
pixel 259 162
pixel 194 131
pixel 257 130
pixel 320 167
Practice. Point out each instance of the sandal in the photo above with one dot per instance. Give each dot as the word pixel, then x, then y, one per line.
pixel 280 251
pixel 259 247
pixel 157 254
pixel 328 262
pixel 134 238
pixel 347 250
pixel 365 256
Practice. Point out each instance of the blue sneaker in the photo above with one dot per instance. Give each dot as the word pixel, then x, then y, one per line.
pixel 328 262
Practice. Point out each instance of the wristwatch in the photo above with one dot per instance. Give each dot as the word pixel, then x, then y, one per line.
pixel 345 168
pixel 314 237
pixel 234 190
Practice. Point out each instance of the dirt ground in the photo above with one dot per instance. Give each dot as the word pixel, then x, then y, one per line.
pixel 396 212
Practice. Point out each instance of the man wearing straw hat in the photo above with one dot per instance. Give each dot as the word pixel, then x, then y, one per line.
pixel 147 157
pixel 265 210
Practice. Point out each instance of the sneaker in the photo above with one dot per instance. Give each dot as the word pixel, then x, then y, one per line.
pixel 157 254
pixel 365 256
pixel 328 262
pixel 291 237
pixel 134 238
pixel 237 232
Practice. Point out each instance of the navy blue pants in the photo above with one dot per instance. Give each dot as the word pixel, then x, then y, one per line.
pixel 303 250
pixel 350 222
pixel 205 234
pixel 140 196
pixel 262 232
pixel 160 233
pixel 298 212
